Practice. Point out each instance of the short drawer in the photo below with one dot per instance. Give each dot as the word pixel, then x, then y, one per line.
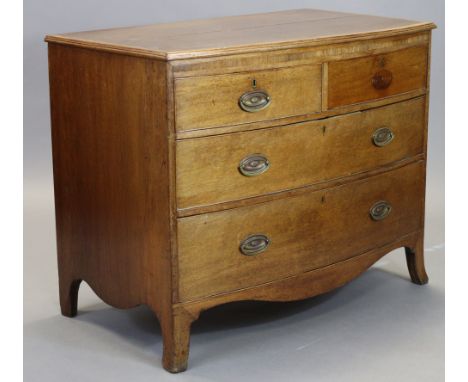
pixel 231 99
pixel 213 169
pixel 229 250
pixel 369 78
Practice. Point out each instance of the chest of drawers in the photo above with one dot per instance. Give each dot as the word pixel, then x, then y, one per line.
pixel 265 157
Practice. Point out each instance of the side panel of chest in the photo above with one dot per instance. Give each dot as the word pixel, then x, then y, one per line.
pixel 111 174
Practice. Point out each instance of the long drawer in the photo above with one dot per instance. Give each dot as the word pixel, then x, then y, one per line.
pixel 233 249
pixel 235 166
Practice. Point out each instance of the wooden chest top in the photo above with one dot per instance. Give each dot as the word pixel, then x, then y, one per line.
pixel 240 34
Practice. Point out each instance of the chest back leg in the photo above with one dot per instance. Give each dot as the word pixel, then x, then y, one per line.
pixel 415 261
pixel 68 289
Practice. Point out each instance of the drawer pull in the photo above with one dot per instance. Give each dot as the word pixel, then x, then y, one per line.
pixel 254 101
pixel 254 165
pixel 382 79
pixel 380 210
pixel 254 244
pixel 382 136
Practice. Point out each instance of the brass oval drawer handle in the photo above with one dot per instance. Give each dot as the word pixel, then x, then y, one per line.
pixel 382 136
pixel 382 79
pixel 254 165
pixel 380 210
pixel 254 244
pixel 254 101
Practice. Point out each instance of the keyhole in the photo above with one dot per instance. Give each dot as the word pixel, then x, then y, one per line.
pixel 381 62
pixel 254 83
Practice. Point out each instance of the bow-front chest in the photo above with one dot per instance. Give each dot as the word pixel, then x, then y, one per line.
pixel 268 157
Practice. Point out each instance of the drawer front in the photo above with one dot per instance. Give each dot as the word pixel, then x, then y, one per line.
pixel 292 235
pixel 232 99
pixel 209 169
pixel 369 78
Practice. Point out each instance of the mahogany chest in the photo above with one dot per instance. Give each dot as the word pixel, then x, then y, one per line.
pixel 265 157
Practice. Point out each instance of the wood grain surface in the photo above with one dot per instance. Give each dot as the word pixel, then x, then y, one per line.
pixel 111 186
pixel 350 81
pixel 299 155
pixel 306 232
pixel 307 284
pixel 297 56
pixel 240 34
pixel 211 101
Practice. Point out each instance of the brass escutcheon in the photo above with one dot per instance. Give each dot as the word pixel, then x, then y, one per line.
pixel 380 210
pixel 382 136
pixel 254 244
pixel 254 164
pixel 254 101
